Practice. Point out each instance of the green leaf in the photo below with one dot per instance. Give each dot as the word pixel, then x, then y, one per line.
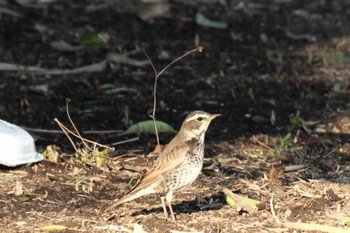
pixel 230 201
pixel 24 199
pixel 201 20
pixel 148 127
pixel 337 87
pixel 221 161
pixel 209 172
pixel 254 153
pixel 132 182
pixel 93 41
pixel 296 121
pixel 108 86
pixel 248 201
pixel 81 181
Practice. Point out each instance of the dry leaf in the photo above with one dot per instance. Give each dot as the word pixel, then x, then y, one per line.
pixel 123 59
pixel 61 45
pixel 154 10
pixel 18 189
pixel 54 228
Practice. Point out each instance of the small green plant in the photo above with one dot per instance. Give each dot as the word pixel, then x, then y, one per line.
pixel 83 185
pixel 297 122
pixel 254 153
pixel 285 144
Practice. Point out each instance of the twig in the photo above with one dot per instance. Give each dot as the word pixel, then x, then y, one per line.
pixel 125 141
pixel 75 128
pixel 199 49
pixel 255 140
pixel 38 130
pixel 64 128
pixel 97 67
pixel 293 168
pixel 154 97
pixel 157 75
pixel 273 210
pixel 314 227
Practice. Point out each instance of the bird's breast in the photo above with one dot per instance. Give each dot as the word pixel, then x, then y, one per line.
pixel 186 173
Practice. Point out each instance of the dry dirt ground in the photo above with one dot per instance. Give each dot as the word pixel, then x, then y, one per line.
pixel 277 71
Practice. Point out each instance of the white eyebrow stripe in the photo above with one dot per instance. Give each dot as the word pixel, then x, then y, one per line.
pixel 196 116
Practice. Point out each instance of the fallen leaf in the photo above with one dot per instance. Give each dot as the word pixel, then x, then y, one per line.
pixel 24 199
pixel 247 204
pixel 201 20
pixel 154 10
pixel 96 67
pixel 62 45
pixel 18 189
pixel 123 59
pixel 94 41
pixel 209 172
pixel 148 127
pixel 54 228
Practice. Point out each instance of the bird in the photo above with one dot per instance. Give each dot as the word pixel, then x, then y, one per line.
pixel 177 166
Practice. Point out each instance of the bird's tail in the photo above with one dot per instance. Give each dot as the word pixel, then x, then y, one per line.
pixel 133 194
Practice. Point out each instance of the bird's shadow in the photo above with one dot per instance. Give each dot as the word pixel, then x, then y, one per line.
pixel 212 202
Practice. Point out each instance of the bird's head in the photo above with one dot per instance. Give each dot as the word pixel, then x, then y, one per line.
pixel 196 123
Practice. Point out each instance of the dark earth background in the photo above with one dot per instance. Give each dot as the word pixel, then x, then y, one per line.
pixel 278 73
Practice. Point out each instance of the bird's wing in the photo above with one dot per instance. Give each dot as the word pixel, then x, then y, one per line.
pixel 170 158
pixel 166 163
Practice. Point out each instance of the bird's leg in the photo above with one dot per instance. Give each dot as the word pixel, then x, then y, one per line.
pixel 164 207
pixel 169 198
pixel 171 212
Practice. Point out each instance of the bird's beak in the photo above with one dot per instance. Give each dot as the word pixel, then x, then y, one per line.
pixel 213 116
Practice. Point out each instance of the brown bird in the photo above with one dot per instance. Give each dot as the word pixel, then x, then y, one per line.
pixel 178 165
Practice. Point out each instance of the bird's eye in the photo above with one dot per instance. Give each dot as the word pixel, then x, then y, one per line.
pixel 199 118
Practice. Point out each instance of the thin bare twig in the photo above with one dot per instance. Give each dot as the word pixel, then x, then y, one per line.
pixel 38 130
pixel 297 167
pixel 153 116
pixel 75 128
pixel 255 140
pixel 65 132
pixel 314 227
pixel 125 141
pixel 65 129
pixel 273 210
pixel 199 49
pixel 157 75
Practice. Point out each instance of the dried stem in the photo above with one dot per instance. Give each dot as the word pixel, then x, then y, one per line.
pixel 273 210
pixel 75 128
pixel 49 131
pixel 65 130
pixel 153 116
pixel 156 76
